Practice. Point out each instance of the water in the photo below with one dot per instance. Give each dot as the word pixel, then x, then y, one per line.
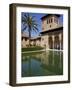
pixel 42 63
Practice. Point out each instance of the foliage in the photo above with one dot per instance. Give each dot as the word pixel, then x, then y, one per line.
pixel 29 23
pixel 33 48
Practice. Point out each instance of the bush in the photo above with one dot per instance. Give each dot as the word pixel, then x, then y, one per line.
pixel 32 48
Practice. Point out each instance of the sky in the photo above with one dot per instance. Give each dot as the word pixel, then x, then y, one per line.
pixel 38 20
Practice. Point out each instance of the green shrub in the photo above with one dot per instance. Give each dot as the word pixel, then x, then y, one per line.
pixel 32 48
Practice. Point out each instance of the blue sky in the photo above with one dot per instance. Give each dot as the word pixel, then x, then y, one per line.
pixel 38 20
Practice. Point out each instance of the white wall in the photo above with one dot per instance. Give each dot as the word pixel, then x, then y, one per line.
pixel 4 45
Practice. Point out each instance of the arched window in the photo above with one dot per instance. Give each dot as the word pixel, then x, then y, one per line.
pixel 51 20
pixel 47 21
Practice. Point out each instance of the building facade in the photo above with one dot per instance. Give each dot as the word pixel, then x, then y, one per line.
pixel 52 32
pixel 36 41
pixel 24 40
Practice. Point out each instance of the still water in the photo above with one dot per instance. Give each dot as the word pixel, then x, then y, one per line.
pixel 42 63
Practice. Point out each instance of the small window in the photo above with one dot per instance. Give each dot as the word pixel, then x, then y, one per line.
pixel 51 20
pixel 56 20
pixel 47 21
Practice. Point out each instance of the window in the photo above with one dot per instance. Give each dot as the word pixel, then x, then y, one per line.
pixel 56 20
pixel 51 20
pixel 47 21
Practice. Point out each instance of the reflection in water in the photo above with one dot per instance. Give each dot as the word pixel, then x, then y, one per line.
pixel 42 63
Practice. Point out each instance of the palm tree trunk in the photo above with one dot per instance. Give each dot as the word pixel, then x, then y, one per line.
pixel 29 35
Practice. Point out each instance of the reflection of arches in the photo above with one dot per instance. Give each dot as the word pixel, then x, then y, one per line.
pixel 50 42
pixel 56 42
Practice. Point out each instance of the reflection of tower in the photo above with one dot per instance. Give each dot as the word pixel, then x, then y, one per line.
pixel 60 64
pixel 37 56
pixel 53 58
pixel 53 62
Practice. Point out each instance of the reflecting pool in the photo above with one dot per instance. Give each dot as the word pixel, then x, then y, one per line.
pixel 42 63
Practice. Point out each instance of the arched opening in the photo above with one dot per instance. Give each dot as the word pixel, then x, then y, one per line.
pixel 50 42
pixel 56 42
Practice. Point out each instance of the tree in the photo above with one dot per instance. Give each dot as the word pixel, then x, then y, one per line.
pixel 29 23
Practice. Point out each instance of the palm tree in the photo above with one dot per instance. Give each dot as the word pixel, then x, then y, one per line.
pixel 29 23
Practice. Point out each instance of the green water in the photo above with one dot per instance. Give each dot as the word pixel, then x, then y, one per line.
pixel 42 63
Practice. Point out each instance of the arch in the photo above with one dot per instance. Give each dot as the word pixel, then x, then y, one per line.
pixel 50 42
pixel 56 42
pixel 62 41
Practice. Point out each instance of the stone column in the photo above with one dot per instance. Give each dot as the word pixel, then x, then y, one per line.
pixel 42 41
pixel 47 42
pixel 53 49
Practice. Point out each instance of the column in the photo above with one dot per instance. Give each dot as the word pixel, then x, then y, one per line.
pixel 47 42
pixel 60 48
pixel 53 49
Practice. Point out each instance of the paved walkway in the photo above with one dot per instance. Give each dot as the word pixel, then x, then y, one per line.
pixel 42 50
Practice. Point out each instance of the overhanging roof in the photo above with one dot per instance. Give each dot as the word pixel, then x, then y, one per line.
pixel 52 30
pixel 39 37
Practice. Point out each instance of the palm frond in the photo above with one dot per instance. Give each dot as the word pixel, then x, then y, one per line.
pixel 29 23
pixel 35 28
pixel 33 17
pixel 24 28
pixel 25 16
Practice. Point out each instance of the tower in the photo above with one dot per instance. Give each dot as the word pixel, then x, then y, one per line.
pixel 50 22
